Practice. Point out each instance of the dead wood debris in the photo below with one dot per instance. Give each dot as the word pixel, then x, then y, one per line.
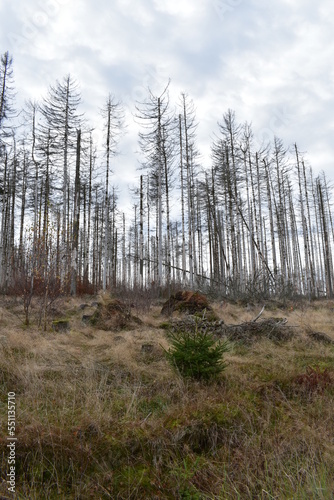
pixel 274 329
pixel 319 337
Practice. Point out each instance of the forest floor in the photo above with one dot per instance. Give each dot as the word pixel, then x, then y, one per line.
pixel 101 414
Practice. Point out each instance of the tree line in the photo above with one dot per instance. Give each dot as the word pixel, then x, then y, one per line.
pixel 257 222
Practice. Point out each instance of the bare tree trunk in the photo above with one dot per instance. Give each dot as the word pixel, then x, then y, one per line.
pixel 311 239
pixel 4 232
pixel 65 227
pixel 141 235
pixel 184 274
pixel 76 218
pixel 318 253
pixel 148 252
pixel 271 219
pixel 106 198
pixel 11 267
pixel 23 206
pixel 168 230
pixel 304 226
pixel 159 205
pixel 124 260
pixel 326 245
pixel 88 255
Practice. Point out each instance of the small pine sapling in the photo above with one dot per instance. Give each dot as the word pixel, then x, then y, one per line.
pixel 197 354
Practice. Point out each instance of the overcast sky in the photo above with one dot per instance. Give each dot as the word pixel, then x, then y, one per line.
pixel 269 61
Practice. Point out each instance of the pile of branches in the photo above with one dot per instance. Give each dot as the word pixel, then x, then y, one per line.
pixel 192 323
pixel 274 329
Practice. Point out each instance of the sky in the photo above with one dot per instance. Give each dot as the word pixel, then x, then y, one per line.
pixel 270 62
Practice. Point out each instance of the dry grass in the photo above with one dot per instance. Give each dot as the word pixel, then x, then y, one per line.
pixel 102 415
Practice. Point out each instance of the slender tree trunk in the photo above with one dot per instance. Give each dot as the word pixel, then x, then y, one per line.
pixel 141 235
pixel 11 266
pixel 91 161
pixel 76 218
pixel 304 226
pixel 23 205
pixel 184 274
pixel 271 219
pixel 148 252
pixel 160 146
pixel 3 236
pixel 168 230
pixel 326 245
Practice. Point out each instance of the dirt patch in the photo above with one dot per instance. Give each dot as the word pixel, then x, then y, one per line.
pixel 190 303
pixel 113 315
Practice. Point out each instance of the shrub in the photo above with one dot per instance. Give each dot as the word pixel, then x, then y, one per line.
pixel 197 354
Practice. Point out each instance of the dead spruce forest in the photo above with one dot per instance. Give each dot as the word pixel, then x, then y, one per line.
pixel 100 412
pixel 257 223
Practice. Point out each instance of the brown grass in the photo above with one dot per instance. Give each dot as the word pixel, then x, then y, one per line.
pixel 101 416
